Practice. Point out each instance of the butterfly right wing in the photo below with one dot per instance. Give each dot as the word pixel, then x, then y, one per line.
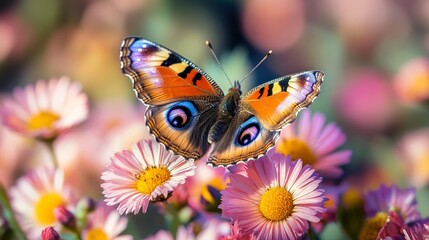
pixel 264 111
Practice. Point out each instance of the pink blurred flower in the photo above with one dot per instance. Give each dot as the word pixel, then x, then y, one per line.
pixel 211 229
pixel 35 197
pixel 15 35
pixel 383 225
pixel 10 157
pixel 105 223
pixel 385 199
pixel 198 185
pixel 237 233
pixel 312 142
pixel 417 230
pixel 46 109
pixel 146 173
pixel 274 197
pixel 99 41
pixel 332 203
pixel 390 225
pixel 413 148
pixel 118 124
pixel 366 101
pixel 364 24
pixel 273 24
pixel 412 81
pixel 393 226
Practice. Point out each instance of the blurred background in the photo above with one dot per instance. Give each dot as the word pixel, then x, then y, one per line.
pixel 374 55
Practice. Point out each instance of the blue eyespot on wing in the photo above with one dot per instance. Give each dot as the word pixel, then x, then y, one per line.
pixel 182 126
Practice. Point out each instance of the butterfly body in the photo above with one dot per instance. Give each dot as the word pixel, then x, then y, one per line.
pixel 189 113
pixel 228 108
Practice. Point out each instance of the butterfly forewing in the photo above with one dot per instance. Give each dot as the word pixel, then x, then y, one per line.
pixel 276 103
pixel 161 76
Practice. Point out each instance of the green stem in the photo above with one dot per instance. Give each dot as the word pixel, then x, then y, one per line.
pixel 311 234
pixel 8 215
pixel 172 218
pixel 50 145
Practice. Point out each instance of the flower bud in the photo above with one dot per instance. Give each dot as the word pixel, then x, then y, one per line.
pixel 49 233
pixel 65 217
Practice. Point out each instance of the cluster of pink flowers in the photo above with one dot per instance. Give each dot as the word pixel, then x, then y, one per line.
pixel 289 193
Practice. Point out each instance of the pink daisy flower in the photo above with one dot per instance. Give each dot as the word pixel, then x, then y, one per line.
pixel 273 197
pixel 417 230
pixel 237 233
pixel 105 223
pixel 392 198
pixel 146 173
pixel 35 197
pixel 211 229
pixel 383 225
pixel 307 139
pixel 198 186
pixel 45 109
pixel 411 83
pixel 413 150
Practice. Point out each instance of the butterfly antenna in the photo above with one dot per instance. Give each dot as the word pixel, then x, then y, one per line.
pixel 217 61
pixel 257 65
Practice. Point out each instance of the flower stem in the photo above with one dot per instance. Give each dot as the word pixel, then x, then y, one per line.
pixel 312 235
pixel 50 145
pixel 8 215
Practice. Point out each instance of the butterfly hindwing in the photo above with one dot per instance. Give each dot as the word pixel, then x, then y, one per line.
pixel 243 140
pixel 276 103
pixel 182 126
pixel 176 91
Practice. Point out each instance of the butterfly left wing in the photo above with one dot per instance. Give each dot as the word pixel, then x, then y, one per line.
pixel 161 76
pixel 263 112
pixel 182 99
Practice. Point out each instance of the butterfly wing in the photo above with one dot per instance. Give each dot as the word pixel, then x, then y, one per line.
pixel 162 76
pixel 276 103
pixel 244 139
pixel 263 112
pixel 182 98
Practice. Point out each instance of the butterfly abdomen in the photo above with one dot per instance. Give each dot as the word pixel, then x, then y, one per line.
pixel 228 108
pixel 218 129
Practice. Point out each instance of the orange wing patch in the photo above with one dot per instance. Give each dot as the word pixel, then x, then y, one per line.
pixel 161 76
pixel 277 102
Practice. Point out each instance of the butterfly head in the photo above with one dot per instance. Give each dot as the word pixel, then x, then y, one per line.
pixel 236 88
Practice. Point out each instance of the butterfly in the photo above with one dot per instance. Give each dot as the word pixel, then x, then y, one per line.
pixel 190 114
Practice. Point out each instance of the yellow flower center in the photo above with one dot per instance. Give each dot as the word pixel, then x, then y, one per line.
pixel 330 203
pixel 372 226
pixel 151 178
pixel 44 208
pixel 217 183
pixel 96 234
pixel 420 85
pixel 43 119
pixel 352 198
pixel 421 167
pixel 276 204
pixel 297 149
